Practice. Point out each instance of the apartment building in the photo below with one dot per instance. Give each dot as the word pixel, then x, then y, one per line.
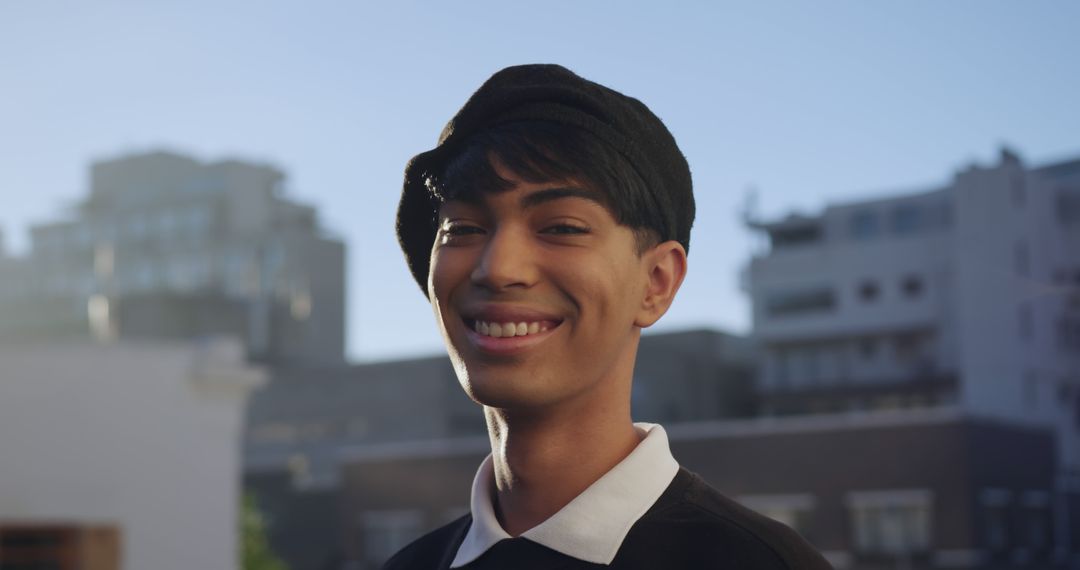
pixel 167 246
pixel 967 294
pixel 964 297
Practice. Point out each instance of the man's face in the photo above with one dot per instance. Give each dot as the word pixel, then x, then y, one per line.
pixel 538 293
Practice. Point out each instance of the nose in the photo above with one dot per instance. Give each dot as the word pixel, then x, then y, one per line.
pixel 506 261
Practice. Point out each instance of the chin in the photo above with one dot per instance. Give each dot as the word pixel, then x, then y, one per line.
pixel 505 391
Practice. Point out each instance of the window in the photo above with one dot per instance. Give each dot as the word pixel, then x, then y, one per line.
pixel 136 226
pixel 868 291
pixel 1018 195
pixel 1021 259
pixel 168 223
pixel 274 433
pixel 867 347
pixel 995 516
pixel 906 219
pixel 299 467
pixel 197 221
pixel 793 510
pixel 1035 527
pixel 1025 326
pixel 780 368
pixel 84 237
pixel 59 547
pixel 911 286
pixel 795 236
pixel 787 303
pixel 865 224
pixel 908 347
pixel 386 532
pixel 1031 389
pixel 804 365
pixel 1068 206
pixel 1068 333
pixel 895 522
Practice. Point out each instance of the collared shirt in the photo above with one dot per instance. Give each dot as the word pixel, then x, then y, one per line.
pixel 593 525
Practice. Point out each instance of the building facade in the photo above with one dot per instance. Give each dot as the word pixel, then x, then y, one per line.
pixel 300 424
pixel 964 297
pixel 166 246
pixel 121 456
pixel 918 489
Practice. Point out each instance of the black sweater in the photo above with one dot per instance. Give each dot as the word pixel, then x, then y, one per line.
pixel 691 526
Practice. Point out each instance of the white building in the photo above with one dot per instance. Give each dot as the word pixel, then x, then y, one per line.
pixel 966 295
pixel 172 247
pixel 121 456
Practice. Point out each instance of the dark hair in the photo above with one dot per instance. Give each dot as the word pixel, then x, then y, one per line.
pixel 538 151
pixel 547 122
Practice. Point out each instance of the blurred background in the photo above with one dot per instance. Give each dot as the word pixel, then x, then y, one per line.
pixel 212 354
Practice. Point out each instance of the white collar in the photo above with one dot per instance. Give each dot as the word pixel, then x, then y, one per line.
pixel 593 525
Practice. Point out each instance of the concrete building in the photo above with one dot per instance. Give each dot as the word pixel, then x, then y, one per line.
pixel 965 296
pixel 917 489
pixel 300 423
pixel 166 246
pixel 122 456
pixel 305 415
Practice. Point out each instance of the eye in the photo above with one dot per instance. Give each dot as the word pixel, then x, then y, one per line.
pixel 456 231
pixel 565 229
pixel 462 230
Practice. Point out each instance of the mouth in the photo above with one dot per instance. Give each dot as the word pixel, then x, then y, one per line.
pixel 503 331
pixel 509 329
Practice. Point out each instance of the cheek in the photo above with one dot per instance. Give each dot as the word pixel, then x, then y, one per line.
pixel 604 289
pixel 440 284
pixel 444 269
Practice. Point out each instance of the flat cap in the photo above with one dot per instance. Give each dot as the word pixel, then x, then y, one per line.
pixel 546 92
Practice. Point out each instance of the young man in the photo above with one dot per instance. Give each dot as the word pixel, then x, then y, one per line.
pixel 547 228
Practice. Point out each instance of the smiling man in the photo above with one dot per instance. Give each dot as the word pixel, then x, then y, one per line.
pixel 547 228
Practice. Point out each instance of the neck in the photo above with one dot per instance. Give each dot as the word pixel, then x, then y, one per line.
pixel 529 447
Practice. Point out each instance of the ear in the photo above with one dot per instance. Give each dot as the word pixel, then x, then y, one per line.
pixel 666 267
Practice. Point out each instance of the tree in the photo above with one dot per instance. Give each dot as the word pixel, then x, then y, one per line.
pixel 255 552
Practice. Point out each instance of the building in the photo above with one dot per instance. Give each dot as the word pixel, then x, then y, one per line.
pixel 306 415
pixel 121 456
pixel 166 246
pixel 299 425
pixel 965 296
pixel 875 490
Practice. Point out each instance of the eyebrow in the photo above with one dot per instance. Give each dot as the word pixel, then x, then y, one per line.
pixel 551 194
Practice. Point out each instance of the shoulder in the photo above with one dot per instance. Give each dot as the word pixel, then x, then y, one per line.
pixel 435 549
pixel 695 522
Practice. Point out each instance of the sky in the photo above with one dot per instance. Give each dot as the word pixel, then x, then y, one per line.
pixel 806 103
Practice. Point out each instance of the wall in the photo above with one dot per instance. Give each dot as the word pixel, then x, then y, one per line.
pixel 142 436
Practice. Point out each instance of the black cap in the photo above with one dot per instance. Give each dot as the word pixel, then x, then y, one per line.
pixel 545 92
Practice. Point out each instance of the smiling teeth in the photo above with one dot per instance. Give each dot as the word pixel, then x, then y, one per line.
pixel 501 330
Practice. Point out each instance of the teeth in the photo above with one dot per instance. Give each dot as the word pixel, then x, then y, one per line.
pixel 500 330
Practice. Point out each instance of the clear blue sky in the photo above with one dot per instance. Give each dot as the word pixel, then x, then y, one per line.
pixel 809 102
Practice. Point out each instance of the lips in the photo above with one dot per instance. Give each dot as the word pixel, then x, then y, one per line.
pixel 501 328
